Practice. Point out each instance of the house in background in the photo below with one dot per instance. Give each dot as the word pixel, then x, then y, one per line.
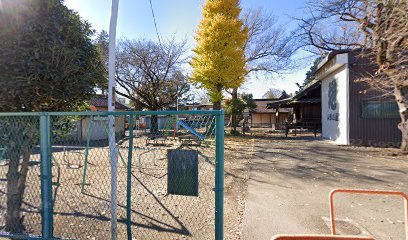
pixel 305 105
pixel 98 132
pixel 264 117
pixel 351 112
pixel 100 102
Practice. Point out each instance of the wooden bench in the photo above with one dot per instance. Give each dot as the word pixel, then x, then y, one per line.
pixel 156 139
pixel 308 126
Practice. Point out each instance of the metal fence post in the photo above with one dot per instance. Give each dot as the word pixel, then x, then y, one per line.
pixel 88 140
pixel 219 176
pixel 129 182
pixel 46 177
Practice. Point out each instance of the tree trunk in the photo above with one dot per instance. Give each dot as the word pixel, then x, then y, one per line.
pixel 20 140
pixel 154 128
pixel 217 105
pixel 16 186
pixel 230 121
pixel 401 96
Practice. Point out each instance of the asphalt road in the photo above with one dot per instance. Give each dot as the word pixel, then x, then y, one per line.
pixel 290 181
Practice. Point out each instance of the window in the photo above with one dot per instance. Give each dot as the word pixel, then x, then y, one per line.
pixel 371 109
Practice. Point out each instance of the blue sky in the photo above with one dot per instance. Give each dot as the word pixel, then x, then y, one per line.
pixel 180 18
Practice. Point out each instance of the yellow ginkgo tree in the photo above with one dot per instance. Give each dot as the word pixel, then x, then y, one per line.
pixel 219 61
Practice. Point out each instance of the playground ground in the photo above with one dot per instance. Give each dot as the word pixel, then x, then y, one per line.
pixel 155 214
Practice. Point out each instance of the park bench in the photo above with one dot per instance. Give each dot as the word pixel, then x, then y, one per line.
pixel 156 139
pixel 303 126
pixel 189 140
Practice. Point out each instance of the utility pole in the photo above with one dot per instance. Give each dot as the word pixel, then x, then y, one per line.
pixel 111 108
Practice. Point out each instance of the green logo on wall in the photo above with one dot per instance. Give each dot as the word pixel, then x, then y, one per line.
pixel 333 95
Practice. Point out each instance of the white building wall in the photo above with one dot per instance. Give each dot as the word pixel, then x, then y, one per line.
pixel 100 128
pixel 335 121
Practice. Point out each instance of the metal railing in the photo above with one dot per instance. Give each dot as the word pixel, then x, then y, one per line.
pixel 366 192
pixel 56 173
pixel 333 220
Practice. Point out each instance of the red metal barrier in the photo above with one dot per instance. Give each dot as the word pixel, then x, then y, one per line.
pixel 320 237
pixel 372 192
pixel 332 221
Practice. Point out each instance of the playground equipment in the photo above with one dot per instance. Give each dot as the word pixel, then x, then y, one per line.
pixel 191 130
pixel 68 155
pixel 192 125
pixel 160 135
pixel 169 131
pixel 333 222
pixel 88 140
pixel 145 192
pixel 139 155
pixel 171 127
pixel 58 178
pixel 156 139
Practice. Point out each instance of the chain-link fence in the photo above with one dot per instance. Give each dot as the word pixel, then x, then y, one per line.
pixel 56 175
pixel 20 204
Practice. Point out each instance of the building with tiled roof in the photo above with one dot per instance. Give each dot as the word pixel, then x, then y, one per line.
pixel 261 116
pixel 100 102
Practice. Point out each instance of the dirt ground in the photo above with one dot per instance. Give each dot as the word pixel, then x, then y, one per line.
pixel 273 185
pixel 155 213
pixel 238 154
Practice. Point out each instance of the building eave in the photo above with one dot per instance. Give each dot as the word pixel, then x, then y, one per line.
pixel 331 63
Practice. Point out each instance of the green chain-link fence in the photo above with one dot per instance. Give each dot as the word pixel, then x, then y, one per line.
pixel 56 175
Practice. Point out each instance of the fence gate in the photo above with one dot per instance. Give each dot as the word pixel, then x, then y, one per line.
pixel 55 175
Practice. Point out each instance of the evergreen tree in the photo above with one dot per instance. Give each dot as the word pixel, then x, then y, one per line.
pixel 310 74
pixel 219 61
pixel 102 44
pixel 47 63
pixel 235 108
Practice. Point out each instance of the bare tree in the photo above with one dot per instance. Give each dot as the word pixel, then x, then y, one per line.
pixel 149 73
pixel 203 98
pixel 269 48
pixel 272 93
pixel 380 29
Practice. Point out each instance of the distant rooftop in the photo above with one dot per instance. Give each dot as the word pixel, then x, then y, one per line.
pixel 299 97
pixel 102 101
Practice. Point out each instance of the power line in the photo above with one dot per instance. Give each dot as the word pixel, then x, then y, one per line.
pixel 154 20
